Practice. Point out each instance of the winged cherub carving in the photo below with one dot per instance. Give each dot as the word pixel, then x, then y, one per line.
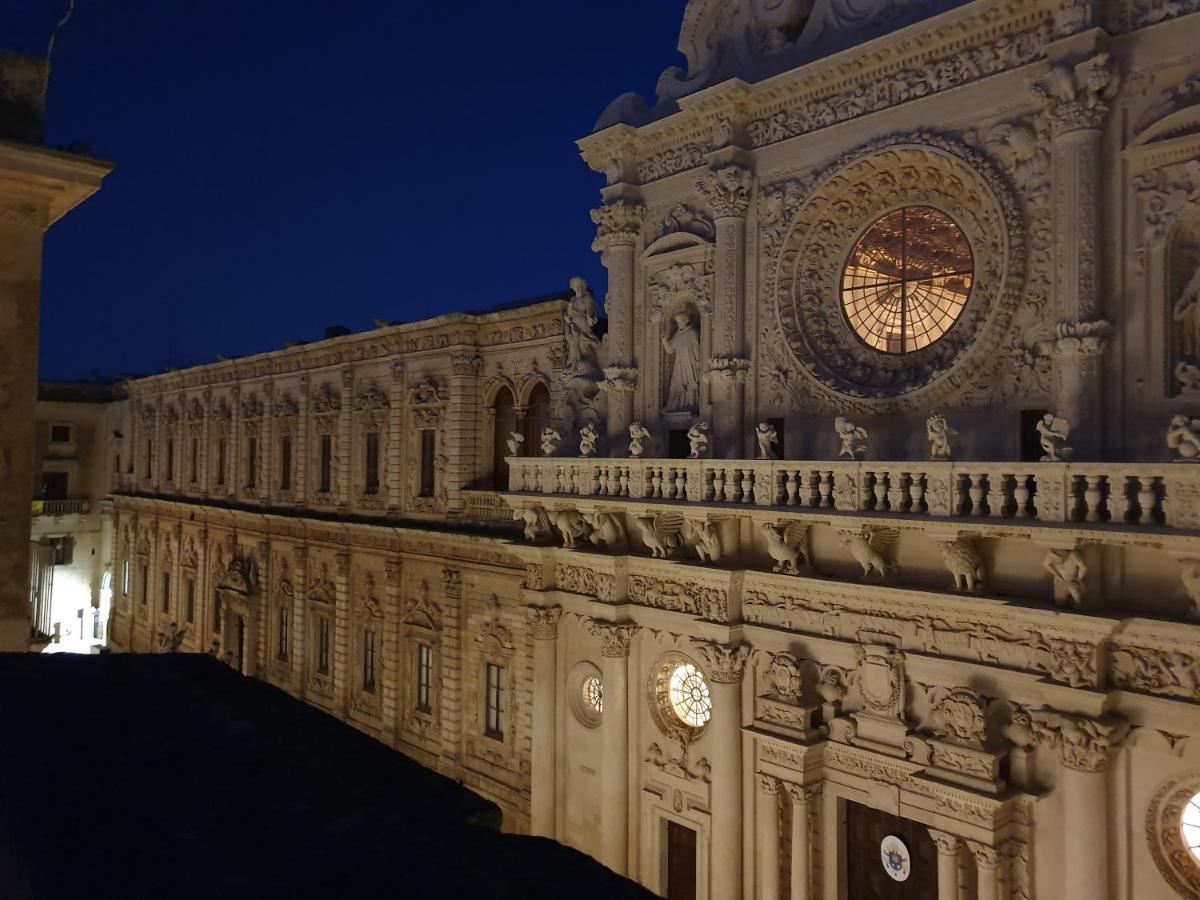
pixel 662 534
pixel 1184 438
pixel 514 441
pixel 638 436
pixel 784 546
pixel 1052 433
pixel 587 440
pixel 698 440
pixel 872 548
pixel 939 432
pixel 767 438
pixel 550 440
pixel 853 438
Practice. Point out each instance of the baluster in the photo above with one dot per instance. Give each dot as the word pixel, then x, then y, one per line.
pixel 707 475
pixel 916 493
pixel 1146 499
pixel 718 485
pixel 1073 499
pixel 681 483
pixel 1021 495
pixel 976 495
pixel 733 485
pixel 790 488
pixel 656 482
pixel 896 492
pixel 996 500
pixel 881 503
pixel 812 494
pixel 747 485
pixel 826 489
pixel 1092 499
pixel 624 481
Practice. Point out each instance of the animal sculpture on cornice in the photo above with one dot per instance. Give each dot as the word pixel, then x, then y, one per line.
pixel 587 440
pixel 662 534
pixel 872 549
pixel 1069 572
pixel 607 530
pixel 706 539
pixel 535 520
pixel 1184 438
pixel 784 546
pixel 572 526
pixel 965 564
pixel 1052 434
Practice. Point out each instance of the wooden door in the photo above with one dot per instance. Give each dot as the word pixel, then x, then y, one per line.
pixel 865 876
pixel 681 862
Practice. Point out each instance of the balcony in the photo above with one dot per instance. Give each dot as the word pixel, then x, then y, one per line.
pixel 74 506
pixel 1139 494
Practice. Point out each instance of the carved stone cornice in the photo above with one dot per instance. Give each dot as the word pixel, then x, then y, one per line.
pixel 1078 97
pixel 543 621
pixel 1084 744
pixel 728 191
pixel 617 223
pixel 724 663
pixel 615 638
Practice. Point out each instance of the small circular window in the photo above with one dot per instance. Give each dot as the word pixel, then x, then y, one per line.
pixel 688 694
pixel 593 694
pixel 587 694
pixel 907 279
pixel 1189 824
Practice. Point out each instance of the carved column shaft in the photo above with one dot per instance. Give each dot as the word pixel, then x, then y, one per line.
pixel 345 441
pixel 544 628
pixel 802 887
pixel 947 864
pixel 724 666
pixel 453 616
pixel 768 837
pixel 460 427
pixel 614 739
pixel 618 229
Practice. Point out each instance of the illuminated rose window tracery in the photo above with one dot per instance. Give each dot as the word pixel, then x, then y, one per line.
pixel 907 279
pixel 1190 826
pixel 688 694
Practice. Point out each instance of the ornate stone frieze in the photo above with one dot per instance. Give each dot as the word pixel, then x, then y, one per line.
pixel 1166 196
pixel 728 191
pixel 465 363
pixel 672 160
pixel 723 663
pixel 424 392
pixel 587 581
pixel 685 219
pixel 543 621
pixel 614 637
pixel 1082 743
pixel 688 597
pixel 1156 670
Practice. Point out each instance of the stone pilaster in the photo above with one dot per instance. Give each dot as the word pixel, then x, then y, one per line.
pixel 724 665
pixel 341 634
pixel 614 740
pixel 768 837
pixel 266 440
pixel 300 621
pixel 460 425
pixel 453 620
pixel 1076 100
pixel 392 672
pixel 947 863
pixel 618 234
pixel 397 445
pixel 543 626
pixel 344 444
pixel 728 190
pixel 233 452
pixel 987 871
pixel 300 446
pixel 206 425
pixel 802 797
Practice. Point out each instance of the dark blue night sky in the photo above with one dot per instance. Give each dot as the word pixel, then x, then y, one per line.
pixel 285 166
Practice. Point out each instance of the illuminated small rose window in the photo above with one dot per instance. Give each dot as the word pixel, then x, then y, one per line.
pixel 907 280
pixel 1189 824
pixel 688 694
pixel 586 695
pixel 592 692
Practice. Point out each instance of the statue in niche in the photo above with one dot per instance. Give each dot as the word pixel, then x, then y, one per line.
pixel 1184 438
pixel 767 438
pixel 683 391
pixel 515 440
pixel 1053 432
pixel 580 327
pixel 698 440
pixel 1186 316
pixel 587 440
pixel 939 432
pixel 638 435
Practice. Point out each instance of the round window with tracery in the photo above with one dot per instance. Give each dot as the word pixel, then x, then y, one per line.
pixel 907 279
pixel 1189 824
pixel 593 694
pixel 688 694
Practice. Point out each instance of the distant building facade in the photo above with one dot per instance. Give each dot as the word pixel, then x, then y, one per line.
pixel 857 558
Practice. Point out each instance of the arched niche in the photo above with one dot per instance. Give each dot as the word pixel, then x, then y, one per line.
pixel 504 423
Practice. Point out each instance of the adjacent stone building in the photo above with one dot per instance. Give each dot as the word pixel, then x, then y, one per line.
pixel 855 558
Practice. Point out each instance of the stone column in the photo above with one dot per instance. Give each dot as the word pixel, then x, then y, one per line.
pixel 947 863
pixel 987 863
pixel 802 797
pixel 396 445
pixel 1084 746
pixel 233 453
pixel 724 666
pixel 768 837
pixel 728 190
pixel 453 617
pixel 618 233
pixel 614 739
pixel 299 649
pixel 1077 99
pixel 344 495
pixel 300 448
pixel 266 443
pixel 393 675
pixel 460 425
pixel 543 625
pixel 341 634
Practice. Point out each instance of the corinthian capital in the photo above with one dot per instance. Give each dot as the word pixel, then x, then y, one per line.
pixel 1083 743
pixel 543 621
pixel 619 222
pixel 947 844
pixel 1078 97
pixel 728 191
pixel 614 638
pixel 725 664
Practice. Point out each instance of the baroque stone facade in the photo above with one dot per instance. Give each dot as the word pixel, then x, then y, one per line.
pixel 737 590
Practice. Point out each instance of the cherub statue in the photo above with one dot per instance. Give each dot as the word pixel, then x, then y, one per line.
pixel 1184 438
pixel 1069 571
pixel 550 439
pixel 767 438
pixel 587 440
pixel 1188 376
pixel 638 436
pixel 939 432
pixel 515 440
pixel 1053 431
pixel 698 439
pixel 852 437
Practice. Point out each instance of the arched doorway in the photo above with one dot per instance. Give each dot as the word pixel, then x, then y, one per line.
pixel 537 418
pixel 504 423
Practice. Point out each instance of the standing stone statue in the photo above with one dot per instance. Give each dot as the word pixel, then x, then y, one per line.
pixel 853 438
pixel 580 326
pixel 587 440
pixel 683 391
pixel 637 440
pixel 515 440
pixel 1186 316
pixel 939 432
pixel 767 439
pixel 1053 431
pixel 1069 571
pixel 698 440
pixel 550 439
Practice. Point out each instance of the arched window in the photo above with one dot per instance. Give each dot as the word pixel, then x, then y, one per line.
pixel 505 423
pixel 537 418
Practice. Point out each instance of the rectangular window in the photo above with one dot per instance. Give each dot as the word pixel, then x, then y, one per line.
pixel 60 434
pixel 285 463
pixel 149 459
pixel 189 601
pixel 125 585
pixel 216 619
pixel 97 632
pixel 117 463
pixel 368 661
pixel 170 459
pixel 424 677
pixel 428 476
pixel 55 485
pixel 372 479
pixel 145 573
pixel 326 464
pixel 494 702
pixel 62 550
pixel 282 649
pixel 323 645
pixel 194 472
pixel 221 461
pixel 252 462
pixel 166 592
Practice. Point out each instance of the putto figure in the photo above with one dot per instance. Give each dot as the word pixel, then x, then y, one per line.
pixel 698 440
pixel 939 432
pixel 587 440
pixel 684 344
pixel 767 439
pixel 638 436
pixel 1053 432
pixel 1184 438
pixel 550 440
pixel 853 438
pixel 515 440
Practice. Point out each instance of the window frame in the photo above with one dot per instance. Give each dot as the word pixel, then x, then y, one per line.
pixel 495 700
